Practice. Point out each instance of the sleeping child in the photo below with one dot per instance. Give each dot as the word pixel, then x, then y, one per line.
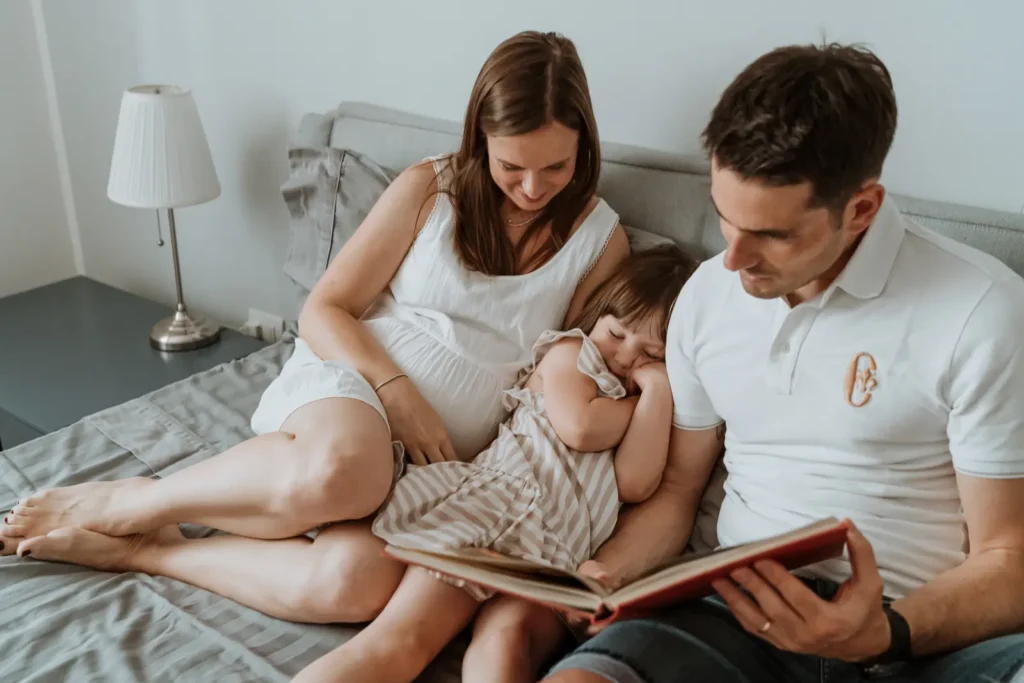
pixel 588 430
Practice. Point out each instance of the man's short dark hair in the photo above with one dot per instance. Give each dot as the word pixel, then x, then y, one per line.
pixel 824 114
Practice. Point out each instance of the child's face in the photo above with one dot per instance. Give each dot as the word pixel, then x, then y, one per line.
pixel 626 348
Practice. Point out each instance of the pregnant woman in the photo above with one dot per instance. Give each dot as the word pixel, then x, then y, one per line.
pixel 424 318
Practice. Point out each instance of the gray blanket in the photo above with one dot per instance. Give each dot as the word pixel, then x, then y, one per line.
pixel 64 623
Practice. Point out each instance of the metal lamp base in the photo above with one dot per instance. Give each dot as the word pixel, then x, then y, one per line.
pixel 183 332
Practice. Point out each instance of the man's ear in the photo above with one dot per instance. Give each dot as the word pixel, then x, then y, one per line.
pixel 863 207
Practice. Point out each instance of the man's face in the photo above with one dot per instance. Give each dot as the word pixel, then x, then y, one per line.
pixel 776 243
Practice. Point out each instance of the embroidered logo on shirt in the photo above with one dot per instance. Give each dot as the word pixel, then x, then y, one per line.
pixel 861 379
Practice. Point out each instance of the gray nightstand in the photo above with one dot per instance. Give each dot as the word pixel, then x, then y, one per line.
pixel 75 347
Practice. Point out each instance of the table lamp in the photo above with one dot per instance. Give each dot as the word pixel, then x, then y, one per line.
pixel 161 160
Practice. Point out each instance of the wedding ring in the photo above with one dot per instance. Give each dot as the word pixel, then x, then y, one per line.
pixel 767 625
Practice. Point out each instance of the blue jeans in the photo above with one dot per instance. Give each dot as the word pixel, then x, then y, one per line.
pixel 701 642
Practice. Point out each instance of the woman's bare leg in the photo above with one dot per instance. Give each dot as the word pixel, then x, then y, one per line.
pixel 341 577
pixel 423 616
pixel 512 640
pixel 331 461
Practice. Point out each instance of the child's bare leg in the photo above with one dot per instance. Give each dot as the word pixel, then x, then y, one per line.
pixel 512 640
pixel 423 616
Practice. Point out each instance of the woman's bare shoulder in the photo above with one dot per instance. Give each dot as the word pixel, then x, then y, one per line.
pixel 420 175
pixel 587 210
pixel 416 189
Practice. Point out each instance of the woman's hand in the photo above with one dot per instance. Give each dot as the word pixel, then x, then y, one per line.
pixel 652 376
pixel 415 423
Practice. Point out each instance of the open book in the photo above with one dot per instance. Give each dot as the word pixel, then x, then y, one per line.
pixel 679 579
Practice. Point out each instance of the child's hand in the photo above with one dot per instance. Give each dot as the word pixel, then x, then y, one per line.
pixel 600 572
pixel 653 376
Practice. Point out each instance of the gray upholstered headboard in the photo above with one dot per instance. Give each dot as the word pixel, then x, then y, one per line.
pixel 654 191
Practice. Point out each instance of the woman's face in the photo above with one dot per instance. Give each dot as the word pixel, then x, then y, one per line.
pixel 534 167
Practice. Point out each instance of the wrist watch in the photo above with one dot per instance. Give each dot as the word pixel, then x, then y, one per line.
pixel 898 653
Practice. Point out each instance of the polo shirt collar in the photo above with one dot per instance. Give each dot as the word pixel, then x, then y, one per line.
pixel 868 270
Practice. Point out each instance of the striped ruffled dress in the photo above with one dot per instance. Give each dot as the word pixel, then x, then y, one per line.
pixel 528 495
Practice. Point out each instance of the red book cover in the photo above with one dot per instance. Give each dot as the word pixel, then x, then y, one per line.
pixel 827 544
pixel 680 579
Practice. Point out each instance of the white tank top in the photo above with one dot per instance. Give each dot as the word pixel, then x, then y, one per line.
pixel 463 336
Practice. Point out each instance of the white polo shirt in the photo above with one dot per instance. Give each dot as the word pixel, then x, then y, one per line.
pixel 863 402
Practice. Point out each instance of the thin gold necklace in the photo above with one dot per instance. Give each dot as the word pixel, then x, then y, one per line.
pixel 526 222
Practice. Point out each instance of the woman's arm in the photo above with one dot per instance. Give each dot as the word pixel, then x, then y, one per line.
pixel 329 321
pixel 583 420
pixel 640 458
pixel 615 252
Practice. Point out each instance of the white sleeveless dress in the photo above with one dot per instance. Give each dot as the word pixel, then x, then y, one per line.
pixel 528 495
pixel 461 336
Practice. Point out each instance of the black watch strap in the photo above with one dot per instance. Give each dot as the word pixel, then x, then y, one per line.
pixel 899 650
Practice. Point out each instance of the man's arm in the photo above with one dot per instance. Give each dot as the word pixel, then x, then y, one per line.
pixel 980 599
pixel 657 529
pixel 983 597
pixel 977 600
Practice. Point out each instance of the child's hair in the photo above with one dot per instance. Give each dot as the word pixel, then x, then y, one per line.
pixel 645 284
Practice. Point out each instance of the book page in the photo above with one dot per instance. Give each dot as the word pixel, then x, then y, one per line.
pixel 490 558
pixel 506 575
pixel 683 569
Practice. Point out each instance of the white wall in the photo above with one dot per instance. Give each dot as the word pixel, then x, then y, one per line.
pixel 655 71
pixel 35 244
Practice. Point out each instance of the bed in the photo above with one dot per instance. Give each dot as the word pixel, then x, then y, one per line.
pixel 65 623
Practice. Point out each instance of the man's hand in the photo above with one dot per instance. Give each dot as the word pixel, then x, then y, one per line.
pixel 782 610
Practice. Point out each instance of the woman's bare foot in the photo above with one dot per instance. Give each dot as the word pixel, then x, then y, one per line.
pixel 108 507
pixel 91 549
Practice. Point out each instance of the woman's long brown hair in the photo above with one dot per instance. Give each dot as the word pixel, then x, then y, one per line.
pixel 530 80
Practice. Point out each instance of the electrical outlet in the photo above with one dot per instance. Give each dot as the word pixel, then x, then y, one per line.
pixel 263 325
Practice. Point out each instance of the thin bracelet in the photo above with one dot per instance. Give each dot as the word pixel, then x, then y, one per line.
pixel 377 388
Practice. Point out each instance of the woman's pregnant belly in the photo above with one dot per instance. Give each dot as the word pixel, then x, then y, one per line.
pixel 466 396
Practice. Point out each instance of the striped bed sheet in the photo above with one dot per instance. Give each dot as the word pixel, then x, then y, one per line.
pixel 61 623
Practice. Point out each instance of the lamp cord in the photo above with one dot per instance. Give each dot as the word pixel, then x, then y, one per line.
pixel 159 237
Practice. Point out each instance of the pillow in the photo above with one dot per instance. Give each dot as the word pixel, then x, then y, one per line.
pixel 640 240
pixel 328 193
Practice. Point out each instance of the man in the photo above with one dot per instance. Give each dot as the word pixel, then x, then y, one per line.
pixel 866 369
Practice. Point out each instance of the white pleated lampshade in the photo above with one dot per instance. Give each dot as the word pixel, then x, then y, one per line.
pixel 161 158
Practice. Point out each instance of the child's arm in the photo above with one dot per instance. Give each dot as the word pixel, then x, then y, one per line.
pixel 640 458
pixel 583 420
